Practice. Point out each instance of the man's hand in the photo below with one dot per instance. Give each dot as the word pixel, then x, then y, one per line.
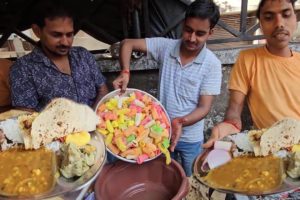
pixel 176 131
pixel 219 131
pixel 121 82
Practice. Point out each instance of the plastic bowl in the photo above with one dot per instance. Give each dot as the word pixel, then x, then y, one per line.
pixel 153 180
pixel 128 91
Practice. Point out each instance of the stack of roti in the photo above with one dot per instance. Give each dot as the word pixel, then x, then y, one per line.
pixel 60 118
pixel 282 135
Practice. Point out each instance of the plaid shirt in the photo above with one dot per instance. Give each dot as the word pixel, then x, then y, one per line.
pixel 35 80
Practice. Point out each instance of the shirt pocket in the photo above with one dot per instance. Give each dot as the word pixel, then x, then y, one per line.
pixel 188 89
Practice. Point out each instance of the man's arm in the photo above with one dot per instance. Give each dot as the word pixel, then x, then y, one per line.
pixel 232 123
pixel 102 91
pixel 126 48
pixel 204 106
pixel 235 108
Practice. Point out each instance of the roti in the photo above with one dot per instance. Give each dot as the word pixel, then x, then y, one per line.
pixel 254 138
pixel 25 124
pixel 282 135
pixel 60 118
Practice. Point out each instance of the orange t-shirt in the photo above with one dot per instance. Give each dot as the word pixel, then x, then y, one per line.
pixel 4 82
pixel 271 83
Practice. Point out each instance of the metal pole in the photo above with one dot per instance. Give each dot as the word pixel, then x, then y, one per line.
pixel 243 18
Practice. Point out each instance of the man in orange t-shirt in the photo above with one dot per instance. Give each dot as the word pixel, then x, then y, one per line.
pixel 267 77
pixel 5 101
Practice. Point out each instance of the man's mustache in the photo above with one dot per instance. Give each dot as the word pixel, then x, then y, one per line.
pixel 280 31
pixel 190 43
pixel 63 47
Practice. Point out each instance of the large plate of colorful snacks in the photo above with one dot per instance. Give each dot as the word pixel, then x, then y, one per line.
pixel 135 125
pixel 255 162
pixel 51 153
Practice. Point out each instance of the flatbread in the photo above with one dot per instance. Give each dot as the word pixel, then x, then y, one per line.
pixel 25 124
pixel 11 114
pixel 60 118
pixel 254 137
pixel 282 135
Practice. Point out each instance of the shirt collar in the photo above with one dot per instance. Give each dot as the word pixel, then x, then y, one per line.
pixel 39 56
pixel 199 59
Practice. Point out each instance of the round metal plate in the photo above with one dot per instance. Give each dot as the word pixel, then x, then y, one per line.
pixel 128 91
pixel 288 183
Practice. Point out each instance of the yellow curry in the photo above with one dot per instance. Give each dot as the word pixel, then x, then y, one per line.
pixel 247 174
pixel 26 172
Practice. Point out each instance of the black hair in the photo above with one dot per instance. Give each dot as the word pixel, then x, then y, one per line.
pixel 50 9
pixel 262 3
pixel 204 9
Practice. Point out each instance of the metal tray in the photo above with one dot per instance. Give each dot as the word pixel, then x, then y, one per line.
pixel 128 91
pixel 64 185
pixel 287 184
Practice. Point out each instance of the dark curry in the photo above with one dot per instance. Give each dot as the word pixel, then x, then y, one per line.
pixel 247 174
pixel 26 172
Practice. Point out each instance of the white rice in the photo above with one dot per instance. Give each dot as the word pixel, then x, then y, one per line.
pixel 11 130
pixel 242 141
pixel 54 146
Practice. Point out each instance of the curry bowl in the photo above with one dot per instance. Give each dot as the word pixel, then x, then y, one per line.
pixel 132 121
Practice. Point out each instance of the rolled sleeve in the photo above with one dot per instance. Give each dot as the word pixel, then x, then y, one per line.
pixel 156 47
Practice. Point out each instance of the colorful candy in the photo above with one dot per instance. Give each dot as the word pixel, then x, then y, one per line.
pixel 135 126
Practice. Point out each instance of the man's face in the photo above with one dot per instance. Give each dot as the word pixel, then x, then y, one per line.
pixel 278 22
pixel 196 31
pixel 57 36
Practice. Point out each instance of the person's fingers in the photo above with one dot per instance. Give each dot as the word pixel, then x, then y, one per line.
pixel 214 136
pixel 174 139
pixel 183 120
pixel 120 83
pixel 124 80
pixel 123 87
pixel 173 145
pixel 115 85
pixel 210 142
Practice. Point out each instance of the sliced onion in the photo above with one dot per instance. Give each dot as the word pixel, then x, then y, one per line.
pixel 222 145
pixel 215 158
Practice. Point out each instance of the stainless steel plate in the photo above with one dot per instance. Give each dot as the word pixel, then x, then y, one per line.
pixel 64 185
pixel 288 183
pixel 128 91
